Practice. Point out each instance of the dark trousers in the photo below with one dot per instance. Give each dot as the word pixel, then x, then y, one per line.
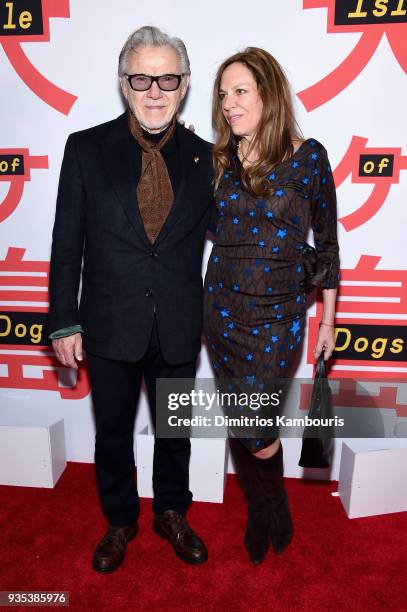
pixel 115 391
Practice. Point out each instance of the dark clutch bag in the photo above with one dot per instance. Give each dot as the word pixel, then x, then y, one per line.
pixel 317 442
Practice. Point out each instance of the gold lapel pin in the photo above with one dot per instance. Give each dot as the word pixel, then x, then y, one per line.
pixel 196 160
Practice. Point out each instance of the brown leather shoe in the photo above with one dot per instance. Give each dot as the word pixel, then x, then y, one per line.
pixel 111 549
pixel 186 544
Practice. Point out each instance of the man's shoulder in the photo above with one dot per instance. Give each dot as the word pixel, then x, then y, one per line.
pixel 99 131
pixel 193 140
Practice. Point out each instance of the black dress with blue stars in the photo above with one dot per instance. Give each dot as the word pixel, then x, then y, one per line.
pixel 255 303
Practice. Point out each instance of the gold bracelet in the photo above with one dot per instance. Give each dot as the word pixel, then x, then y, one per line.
pixel 329 325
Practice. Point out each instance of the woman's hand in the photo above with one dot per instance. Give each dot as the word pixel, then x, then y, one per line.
pixel 326 342
pixel 191 126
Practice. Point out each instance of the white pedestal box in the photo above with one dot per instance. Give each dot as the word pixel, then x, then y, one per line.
pixel 206 470
pixel 32 451
pixel 372 482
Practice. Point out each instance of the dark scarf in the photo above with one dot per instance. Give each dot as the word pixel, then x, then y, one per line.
pixel 154 190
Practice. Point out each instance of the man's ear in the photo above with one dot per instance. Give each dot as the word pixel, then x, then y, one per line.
pixel 123 86
pixel 184 85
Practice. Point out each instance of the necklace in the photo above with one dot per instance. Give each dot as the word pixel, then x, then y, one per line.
pixel 240 153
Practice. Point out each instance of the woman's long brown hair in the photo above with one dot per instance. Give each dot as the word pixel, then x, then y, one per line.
pixel 277 127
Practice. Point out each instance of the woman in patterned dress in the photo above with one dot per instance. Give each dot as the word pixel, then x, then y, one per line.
pixel 271 188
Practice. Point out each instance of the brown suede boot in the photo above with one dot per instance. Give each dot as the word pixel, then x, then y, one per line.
pixel 257 538
pixel 270 474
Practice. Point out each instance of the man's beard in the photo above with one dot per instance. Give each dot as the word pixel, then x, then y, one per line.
pixel 150 129
pixel 159 129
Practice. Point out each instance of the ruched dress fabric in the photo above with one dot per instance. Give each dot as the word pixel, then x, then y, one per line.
pixel 254 301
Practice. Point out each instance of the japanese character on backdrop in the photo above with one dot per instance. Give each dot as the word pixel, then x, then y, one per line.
pixel 21 26
pixel 24 292
pixel 379 166
pixel 381 22
pixel 15 167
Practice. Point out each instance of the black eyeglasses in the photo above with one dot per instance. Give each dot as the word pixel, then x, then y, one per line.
pixel 143 82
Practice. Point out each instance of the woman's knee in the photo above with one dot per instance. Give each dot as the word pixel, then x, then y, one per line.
pixel 268 451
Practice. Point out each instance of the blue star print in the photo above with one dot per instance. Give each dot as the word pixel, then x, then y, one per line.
pixel 262 239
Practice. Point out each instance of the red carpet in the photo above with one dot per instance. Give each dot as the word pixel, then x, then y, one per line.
pixel 48 536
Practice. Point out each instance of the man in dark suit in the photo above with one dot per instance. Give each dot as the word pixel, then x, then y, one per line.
pixel 133 206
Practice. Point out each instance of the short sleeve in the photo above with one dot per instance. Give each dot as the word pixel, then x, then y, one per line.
pixel 324 224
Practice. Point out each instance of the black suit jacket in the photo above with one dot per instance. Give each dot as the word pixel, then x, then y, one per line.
pixel 124 277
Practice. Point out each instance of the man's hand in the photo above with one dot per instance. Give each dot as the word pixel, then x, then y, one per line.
pixel 69 350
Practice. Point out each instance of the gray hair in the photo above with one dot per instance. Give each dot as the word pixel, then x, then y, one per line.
pixel 151 36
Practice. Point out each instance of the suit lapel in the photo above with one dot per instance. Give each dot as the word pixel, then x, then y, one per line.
pixel 189 175
pixel 120 152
